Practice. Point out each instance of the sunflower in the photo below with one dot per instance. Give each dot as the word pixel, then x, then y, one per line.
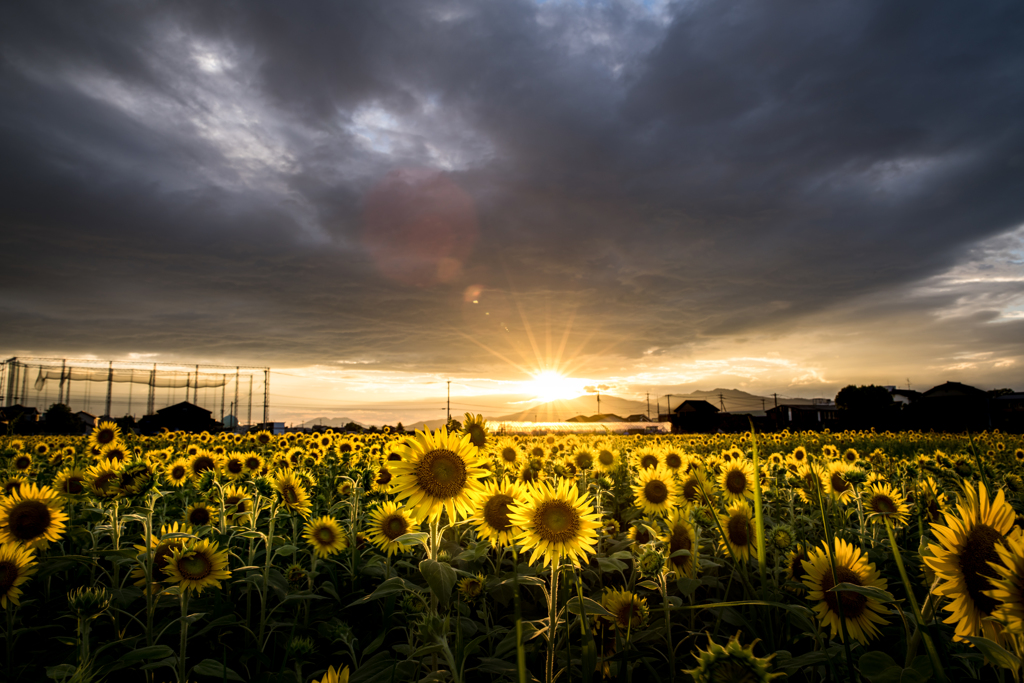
pixel 733 662
pixel 382 480
pixel 646 456
pixel 795 565
pixel 162 549
pixel 197 565
pixel 387 523
pixel 200 514
pixel 627 610
pixel 177 472
pixel 16 565
pixel 681 536
pixel 797 457
pixel 325 536
pixel 439 472
pixel 555 522
pixel 70 483
pixel 740 532
pixel 655 491
pixel 471 587
pixel 642 532
pixel 334 676
pixel 32 516
pixel 104 434
pixel 812 482
pixel 202 461
pixel 1008 581
pixel 531 475
pixel 14 484
pixel 962 558
pixel 696 487
pixel 232 466
pixel 21 463
pixel 292 492
pixel 491 519
pixel 883 501
pixel 838 486
pixel 851 456
pixel 507 452
pixel 673 459
pixel 737 480
pixel 476 429
pixel 860 612
pixel 237 504
pixel 607 459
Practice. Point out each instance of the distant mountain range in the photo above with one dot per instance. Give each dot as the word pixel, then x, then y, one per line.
pixel 734 401
pixel 333 422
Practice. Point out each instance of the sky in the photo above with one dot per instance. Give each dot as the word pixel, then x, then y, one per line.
pixel 375 198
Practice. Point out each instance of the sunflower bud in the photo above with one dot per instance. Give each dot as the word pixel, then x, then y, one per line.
pixel 206 481
pixel 89 603
pixel 302 647
pixel 264 487
pixel 651 562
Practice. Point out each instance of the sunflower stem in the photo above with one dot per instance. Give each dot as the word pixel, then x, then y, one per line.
pixel 909 587
pixel 668 627
pixel 762 557
pixel 150 560
pixel 552 622
pixel 183 595
pixel 520 648
pixel 266 573
pixel 831 545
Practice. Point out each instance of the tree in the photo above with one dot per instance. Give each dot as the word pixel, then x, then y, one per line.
pixel 58 419
pixel 863 400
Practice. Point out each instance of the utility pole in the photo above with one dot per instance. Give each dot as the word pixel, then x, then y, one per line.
pixel 776 400
pixel 648 405
pixel 449 400
pixel 598 402
pixel 908 384
pixel 762 404
pixel 721 402
pixel 668 404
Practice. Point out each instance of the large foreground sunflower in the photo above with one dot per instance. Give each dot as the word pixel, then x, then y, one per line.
pixel 555 522
pixel 961 559
pixel 1008 579
pixel 33 515
pixel 438 472
pixel 491 519
pixel 860 612
pixel 16 565
pixel 197 565
pixel 733 662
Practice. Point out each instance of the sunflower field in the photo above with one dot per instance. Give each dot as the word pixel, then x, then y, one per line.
pixel 470 556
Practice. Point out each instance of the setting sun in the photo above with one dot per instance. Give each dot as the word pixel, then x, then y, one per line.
pixel 551 386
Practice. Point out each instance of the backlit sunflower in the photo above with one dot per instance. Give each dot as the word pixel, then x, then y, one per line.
pixel 237 504
pixel 471 587
pixel 333 675
pixel 162 549
pixel 253 463
pixel 232 466
pixel 839 487
pixel 507 452
pixel 607 460
pixel 14 483
pixel 21 463
pixel 383 480
pixel 292 493
pixel 387 523
pixel 795 565
pixel 32 516
pixel 860 612
pixel 695 487
pixel 628 610
pixel 655 491
pixel 177 472
pixel 439 472
pixel 325 536
pixel 197 565
pixel 1008 581
pixel 681 536
pixel 733 662
pixel 812 482
pixel 646 456
pixel 740 532
pixel 798 456
pixel 202 461
pixel 737 480
pixel 883 501
pixel 642 532
pixel 555 522
pixel 492 508
pixel 962 559
pixel 104 433
pixel 70 483
pixel 531 475
pixel 201 514
pixel 475 428
pixel 16 566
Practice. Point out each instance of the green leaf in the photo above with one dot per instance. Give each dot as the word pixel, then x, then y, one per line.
pixel 873 663
pixel 687 586
pixel 649 585
pixel 210 667
pixel 143 653
pixel 415 538
pixel 609 565
pixel 868 591
pixel 285 551
pixel 592 607
pixel 994 653
pixel 440 577
pixel 60 672
pixel 390 587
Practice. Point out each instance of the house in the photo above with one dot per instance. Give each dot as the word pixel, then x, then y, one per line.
pixel 797 416
pixel 1008 412
pixel 181 417
pixel 692 416
pixel 19 419
pixel 88 419
pixel 952 407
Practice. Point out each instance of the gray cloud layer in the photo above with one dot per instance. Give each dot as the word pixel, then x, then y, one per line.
pixel 193 178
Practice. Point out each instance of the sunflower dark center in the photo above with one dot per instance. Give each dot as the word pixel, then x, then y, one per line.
pixel 584 460
pixel 529 474
pixel 199 516
pixel 105 436
pixel 161 556
pixel 508 454
pixel 115 454
pixel 691 490
pixel 649 461
pixel 202 464
pixel 28 520
pixel 796 565
pixel 655 491
pixel 383 478
pixel 978 551
pixel 680 540
pixel 853 604
pixel 195 567
pixel 732 670
pixel 839 485
pixel 22 462
pixel 883 504
pixel 178 472
pixel 605 457
pixel 556 521
pixel 73 485
pixel 627 612
pixel 674 461
pixel 537 452
pixel 642 535
pixel 235 466
pixel 736 482
pixel 394 457
pixel 233 501
pixel 252 463
pixel 290 494
pixel 8 575
pixel 394 526
pixel 850 455
pixel 738 529
pixel 324 536
pixel 345 448
pixel 263 439
pixel 441 473
pixel 496 512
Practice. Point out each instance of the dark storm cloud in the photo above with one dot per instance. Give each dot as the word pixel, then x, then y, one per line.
pixel 190 178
